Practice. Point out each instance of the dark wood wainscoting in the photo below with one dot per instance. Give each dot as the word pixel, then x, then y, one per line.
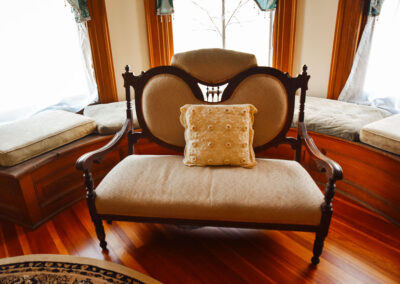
pixel 36 190
pixel 371 176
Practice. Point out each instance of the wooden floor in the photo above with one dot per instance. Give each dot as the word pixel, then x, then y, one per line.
pixel 360 248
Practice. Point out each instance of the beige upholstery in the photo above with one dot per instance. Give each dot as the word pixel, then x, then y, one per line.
pixel 269 96
pixel 110 117
pixel 337 118
pixel 30 137
pixel 163 97
pixel 219 135
pixel 383 134
pixel 275 191
pixel 164 94
pixel 214 65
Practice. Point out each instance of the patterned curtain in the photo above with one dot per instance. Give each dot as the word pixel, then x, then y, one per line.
pixel 164 7
pixel 80 9
pixel 375 7
pixel 266 5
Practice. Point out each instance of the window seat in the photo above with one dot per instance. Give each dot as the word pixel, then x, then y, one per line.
pixel 370 175
pixel 336 118
pixel 34 191
pixel 27 138
pixel 110 117
pixel 366 142
pixel 383 134
pixel 38 178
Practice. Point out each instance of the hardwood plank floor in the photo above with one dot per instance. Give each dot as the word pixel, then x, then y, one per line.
pixel 361 247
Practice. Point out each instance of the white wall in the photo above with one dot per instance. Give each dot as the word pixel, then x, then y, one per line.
pixel 315 31
pixel 128 36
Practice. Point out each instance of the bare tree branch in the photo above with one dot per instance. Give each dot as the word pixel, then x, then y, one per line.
pixel 240 5
pixel 237 23
pixel 209 16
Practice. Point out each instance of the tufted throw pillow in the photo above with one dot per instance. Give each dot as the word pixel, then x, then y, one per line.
pixel 219 135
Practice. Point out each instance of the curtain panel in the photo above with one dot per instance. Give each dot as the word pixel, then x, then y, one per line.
pixel 374 75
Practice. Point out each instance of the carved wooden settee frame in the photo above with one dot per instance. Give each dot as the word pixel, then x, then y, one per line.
pixel 331 169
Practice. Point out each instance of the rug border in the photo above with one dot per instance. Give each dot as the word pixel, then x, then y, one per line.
pixel 105 264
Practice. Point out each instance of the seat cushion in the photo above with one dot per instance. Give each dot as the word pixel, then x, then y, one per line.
pixel 383 134
pixel 275 191
pixel 337 118
pixel 30 137
pixel 110 117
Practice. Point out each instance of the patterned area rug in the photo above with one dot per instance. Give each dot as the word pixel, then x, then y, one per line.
pixel 65 269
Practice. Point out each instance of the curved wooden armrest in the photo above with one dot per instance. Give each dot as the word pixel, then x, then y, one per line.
pixel 333 170
pixel 84 163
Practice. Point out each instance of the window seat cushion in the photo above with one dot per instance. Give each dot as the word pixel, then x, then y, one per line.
pixel 110 117
pixel 383 134
pixel 30 137
pixel 337 118
pixel 274 191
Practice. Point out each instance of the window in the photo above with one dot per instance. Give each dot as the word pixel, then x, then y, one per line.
pixel 161 46
pixel 45 59
pixel 233 24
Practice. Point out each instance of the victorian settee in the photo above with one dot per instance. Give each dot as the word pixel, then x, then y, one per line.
pixel 275 194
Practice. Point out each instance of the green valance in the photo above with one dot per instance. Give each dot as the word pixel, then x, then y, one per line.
pixel 266 5
pixel 80 9
pixel 164 7
pixel 375 7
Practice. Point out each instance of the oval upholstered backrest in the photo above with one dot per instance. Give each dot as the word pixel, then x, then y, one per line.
pixel 166 89
pixel 213 65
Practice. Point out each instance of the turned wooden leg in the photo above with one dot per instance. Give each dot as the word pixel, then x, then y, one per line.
pixel 318 246
pixel 90 199
pixel 326 216
pixel 98 225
